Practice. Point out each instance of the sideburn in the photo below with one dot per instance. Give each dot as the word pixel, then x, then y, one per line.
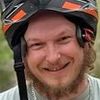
pixel 90 56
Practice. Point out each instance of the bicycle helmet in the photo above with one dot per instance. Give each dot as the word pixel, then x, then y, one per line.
pixel 18 12
pixel 16 15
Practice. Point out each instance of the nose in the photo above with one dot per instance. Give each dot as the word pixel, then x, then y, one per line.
pixel 53 55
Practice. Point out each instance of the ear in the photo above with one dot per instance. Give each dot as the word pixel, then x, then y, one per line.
pixel 84 35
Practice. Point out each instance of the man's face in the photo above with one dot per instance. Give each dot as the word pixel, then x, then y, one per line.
pixel 54 56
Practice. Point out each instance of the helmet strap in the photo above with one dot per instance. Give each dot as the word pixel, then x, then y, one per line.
pixel 79 35
pixel 19 68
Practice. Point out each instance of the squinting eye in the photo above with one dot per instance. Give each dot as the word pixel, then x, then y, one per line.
pixel 36 46
pixel 64 39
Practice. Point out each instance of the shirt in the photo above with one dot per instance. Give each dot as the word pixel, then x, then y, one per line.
pixel 91 93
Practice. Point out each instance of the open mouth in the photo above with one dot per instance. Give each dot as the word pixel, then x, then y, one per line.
pixel 55 69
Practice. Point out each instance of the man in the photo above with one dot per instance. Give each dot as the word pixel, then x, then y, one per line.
pixel 56 39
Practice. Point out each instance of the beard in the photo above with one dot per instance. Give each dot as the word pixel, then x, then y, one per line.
pixel 60 91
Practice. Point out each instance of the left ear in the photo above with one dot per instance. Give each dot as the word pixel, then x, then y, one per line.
pixel 84 36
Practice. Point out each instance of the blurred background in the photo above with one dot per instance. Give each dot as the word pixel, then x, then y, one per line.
pixel 7 73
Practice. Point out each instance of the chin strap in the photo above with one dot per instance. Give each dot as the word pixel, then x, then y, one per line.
pixel 19 68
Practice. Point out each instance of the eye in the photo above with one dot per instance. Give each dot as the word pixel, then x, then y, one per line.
pixel 64 39
pixel 36 46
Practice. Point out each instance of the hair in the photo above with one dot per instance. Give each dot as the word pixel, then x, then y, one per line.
pixel 90 56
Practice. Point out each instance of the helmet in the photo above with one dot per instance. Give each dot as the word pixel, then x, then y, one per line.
pixel 16 15
pixel 18 12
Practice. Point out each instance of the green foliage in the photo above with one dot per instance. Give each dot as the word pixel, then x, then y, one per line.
pixel 4 50
pixel 6 72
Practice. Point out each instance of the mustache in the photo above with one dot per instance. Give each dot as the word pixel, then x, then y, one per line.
pixel 61 62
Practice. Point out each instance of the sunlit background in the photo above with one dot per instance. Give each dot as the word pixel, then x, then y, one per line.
pixel 7 73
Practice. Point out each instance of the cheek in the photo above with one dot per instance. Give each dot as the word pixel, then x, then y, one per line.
pixel 34 58
pixel 72 50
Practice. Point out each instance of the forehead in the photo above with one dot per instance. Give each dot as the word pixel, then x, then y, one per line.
pixel 48 22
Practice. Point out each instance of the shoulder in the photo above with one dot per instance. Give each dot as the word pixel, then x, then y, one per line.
pixel 95 86
pixel 11 94
pixel 94 80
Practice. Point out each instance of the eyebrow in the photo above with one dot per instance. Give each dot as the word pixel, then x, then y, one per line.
pixel 64 32
pixel 32 39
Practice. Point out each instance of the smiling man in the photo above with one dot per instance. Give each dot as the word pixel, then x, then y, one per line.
pixel 54 40
pixel 54 57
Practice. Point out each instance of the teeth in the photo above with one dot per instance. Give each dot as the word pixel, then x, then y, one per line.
pixel 53 69
pixel 56 68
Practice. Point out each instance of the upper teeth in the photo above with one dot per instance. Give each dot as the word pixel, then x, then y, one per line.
pixel 54 69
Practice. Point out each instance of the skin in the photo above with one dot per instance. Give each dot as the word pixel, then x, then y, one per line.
pixel 54 56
